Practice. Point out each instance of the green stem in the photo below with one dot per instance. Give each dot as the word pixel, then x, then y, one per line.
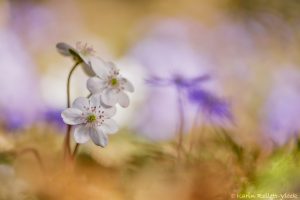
pixel 67 148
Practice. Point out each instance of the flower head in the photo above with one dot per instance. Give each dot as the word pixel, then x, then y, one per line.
pixel 92 120
pixel 82 53
pixel 110 84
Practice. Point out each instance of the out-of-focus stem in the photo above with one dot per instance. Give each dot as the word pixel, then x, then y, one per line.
pixel 194 126
pixel 36 155
pixel 181 122
pixel 75 150
pixel 67 148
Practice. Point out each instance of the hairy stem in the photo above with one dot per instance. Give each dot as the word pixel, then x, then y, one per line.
pixel 67 148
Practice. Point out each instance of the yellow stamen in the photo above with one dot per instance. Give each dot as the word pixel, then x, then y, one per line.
pixel 114 81
pixel 91 118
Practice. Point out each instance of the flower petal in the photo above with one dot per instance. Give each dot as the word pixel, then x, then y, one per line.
pixel 81 134
pixel 127 85
pixel 95 100
pixel 123 99
pixel 64 48
pixel 72 116
pixel 110 97
pixel 98 137
pixel 95 85
pixel 111 66
pixel 81 103
pixel 99 67
pixel 109 126
pixel 109 112
pixel 86 66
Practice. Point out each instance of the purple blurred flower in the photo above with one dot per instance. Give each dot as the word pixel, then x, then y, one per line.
pixel 20 101
pixel 12 121
pixel 211 106
pixel 281 112
pixel 177 81
pixel 53 116
pixel 170 58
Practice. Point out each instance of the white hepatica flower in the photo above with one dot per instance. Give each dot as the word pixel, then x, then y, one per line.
pixel 110 84
pixel 82 52
pixel 92 120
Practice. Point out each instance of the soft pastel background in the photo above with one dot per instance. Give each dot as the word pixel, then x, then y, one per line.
pixel 240 124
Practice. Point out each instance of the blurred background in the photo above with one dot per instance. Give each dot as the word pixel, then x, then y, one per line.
pixel 217 99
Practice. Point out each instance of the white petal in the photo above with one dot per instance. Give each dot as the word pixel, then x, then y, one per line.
pixel 81 103
pixel 111 66
pixel 98 137
pixel 109 112
pixel 72 116
pixel 64 48
pixel 86 66
pixel 109 126
pixel 81 134
pixel 123 99
pixel 105 106
pixel 99 67
pixel 95 100
pixel 127 85
pixel 85 59
pixel 95 85
pixel 110 97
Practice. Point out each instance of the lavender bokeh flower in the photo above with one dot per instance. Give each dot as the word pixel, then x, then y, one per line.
pixel 177 81
pixel 20 101
pixel 281 112
pixel 213 107
pixel 53 116
pixel 166 52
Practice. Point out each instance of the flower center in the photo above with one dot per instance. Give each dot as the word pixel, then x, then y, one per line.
pixel 85 49
pixel 114 81
pixel 91 118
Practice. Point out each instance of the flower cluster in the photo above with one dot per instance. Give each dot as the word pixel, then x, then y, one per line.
pixel 211 105
pixel 92 116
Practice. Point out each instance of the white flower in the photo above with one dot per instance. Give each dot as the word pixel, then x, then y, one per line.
pixel 82 52
pixel 92 120
pixel 110 84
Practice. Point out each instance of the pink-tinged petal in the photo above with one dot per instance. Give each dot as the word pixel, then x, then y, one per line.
pixel 127 85
pixel 109 112
pixel 95 85
pixel 123 99
pixel 110 97
pixel 81 103
pixel 98 137
pixel 99 67
pixel 109 126
pixel 81 134
pixel 64 49
pixel 72 116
